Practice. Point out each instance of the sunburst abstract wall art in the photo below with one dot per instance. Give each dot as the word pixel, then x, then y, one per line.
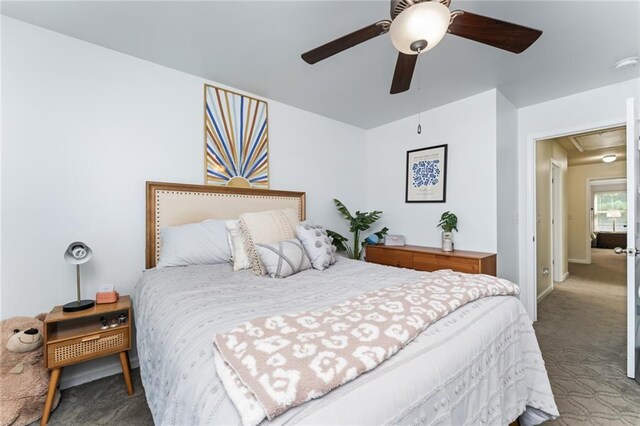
pixel 236 139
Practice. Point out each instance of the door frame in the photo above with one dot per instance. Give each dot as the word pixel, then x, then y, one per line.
pixel 557 223
pixel 528 244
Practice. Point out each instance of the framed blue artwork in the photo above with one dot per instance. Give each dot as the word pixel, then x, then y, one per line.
pixel 236 139
pixel 427 175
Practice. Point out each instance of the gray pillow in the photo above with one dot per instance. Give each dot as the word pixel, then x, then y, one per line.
pixel 318 245
pixel 283 258
pixel 204 243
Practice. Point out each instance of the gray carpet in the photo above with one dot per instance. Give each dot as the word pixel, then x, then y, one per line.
pixel 582 333
pixel 103 402
pixel 581 330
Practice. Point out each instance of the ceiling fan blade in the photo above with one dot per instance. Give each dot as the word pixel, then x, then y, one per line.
pixel 503 35
pixel 346 42
pixel 403 73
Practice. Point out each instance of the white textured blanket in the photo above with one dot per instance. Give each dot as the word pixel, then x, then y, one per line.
pixel 283 361
pixel 432 381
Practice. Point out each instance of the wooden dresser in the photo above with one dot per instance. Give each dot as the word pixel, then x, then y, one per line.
pixel 432 259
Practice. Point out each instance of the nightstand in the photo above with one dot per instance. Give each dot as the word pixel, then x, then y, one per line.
pixel 74 337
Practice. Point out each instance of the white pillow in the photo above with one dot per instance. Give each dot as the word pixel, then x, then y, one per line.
pixel 203 243
pixel 283 258
pixel 318 245
pixel 240 255
pixel 266 227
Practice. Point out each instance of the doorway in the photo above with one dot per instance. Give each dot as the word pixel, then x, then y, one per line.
pixel 581 217
pixel 580 201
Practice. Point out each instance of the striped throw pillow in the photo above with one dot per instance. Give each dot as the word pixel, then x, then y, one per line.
pixel 283 258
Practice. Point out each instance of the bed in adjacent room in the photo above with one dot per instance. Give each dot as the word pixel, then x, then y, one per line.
pixel 479 365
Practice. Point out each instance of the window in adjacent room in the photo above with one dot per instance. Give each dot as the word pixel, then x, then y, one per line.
pixel 610 213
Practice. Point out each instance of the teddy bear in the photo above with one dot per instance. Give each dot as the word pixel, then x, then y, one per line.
pixel 24 379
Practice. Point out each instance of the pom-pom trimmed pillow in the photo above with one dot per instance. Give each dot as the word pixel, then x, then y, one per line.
pixel 283 258
pixel 240 256
pixel 203 243
pixel 266 228
pixel 318 245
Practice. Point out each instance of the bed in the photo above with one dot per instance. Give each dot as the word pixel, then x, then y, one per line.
pixel 479 365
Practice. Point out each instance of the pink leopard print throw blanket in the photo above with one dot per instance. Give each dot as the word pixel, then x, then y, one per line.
pixel 272 364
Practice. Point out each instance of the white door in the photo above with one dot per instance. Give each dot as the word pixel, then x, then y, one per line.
pixel 633 243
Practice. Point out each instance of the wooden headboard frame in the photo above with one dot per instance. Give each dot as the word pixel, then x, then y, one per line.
pixel 173 204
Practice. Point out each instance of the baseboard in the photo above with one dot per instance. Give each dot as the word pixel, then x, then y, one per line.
pixel 88 372
pixel 545 293
pixel 564 277
pixel 583 261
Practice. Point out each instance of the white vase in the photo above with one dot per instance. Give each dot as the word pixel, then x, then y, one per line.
pixel 447 241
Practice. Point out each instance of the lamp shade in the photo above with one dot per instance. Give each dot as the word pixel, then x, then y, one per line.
pixel 78 253
pixel 614 213
pixel 423 22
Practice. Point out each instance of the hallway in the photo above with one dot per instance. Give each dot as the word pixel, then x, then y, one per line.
pixel 582 333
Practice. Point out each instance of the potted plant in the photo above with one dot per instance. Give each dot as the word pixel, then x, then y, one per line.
pixel 358 223
pixel 448 223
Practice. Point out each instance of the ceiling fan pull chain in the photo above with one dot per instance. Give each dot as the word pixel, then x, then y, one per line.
pixel 419 103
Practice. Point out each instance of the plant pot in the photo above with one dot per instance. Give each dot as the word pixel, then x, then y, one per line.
pixel 447 241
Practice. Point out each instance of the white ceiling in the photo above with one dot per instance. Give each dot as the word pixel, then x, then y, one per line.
pixel 255 46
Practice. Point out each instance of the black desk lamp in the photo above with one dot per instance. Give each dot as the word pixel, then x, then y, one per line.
pixel 78 253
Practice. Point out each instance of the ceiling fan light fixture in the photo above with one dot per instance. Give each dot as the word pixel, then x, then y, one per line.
pixel 420 27
pixel 610 158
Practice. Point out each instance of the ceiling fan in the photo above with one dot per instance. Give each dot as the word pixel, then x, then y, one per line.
pixel 417 26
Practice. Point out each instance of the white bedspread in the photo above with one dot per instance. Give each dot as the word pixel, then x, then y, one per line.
pixel 479 365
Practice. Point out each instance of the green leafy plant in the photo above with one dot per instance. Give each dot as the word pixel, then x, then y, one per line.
pixel 448 222
pixel 358 223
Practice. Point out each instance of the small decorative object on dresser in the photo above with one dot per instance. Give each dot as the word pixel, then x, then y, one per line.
pixel 431 259
pixel 78 253
pixel 74 337
pixel 448 223
pixel 394 240
pixel 426 178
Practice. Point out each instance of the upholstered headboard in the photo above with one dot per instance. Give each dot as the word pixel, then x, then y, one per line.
pixel 172 204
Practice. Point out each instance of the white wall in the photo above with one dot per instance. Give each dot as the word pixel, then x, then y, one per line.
pixel 604 106
pixel 547 150
pixel 84 127
pixel 507 187
pixel 468 126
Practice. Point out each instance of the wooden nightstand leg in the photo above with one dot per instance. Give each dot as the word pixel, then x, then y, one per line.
pixel 126 371
pixel 53 385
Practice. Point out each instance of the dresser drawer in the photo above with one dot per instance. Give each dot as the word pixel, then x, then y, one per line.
pixel 432 259
pixel 400 258
pixel 434 262
pixel 73 350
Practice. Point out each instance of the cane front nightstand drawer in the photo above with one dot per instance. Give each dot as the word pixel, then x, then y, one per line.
pixel 70 351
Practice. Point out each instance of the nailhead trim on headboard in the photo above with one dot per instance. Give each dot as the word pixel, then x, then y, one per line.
pixel 207 191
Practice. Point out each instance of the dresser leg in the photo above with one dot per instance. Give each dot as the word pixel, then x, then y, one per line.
pixel 126 371
pixel 51 393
